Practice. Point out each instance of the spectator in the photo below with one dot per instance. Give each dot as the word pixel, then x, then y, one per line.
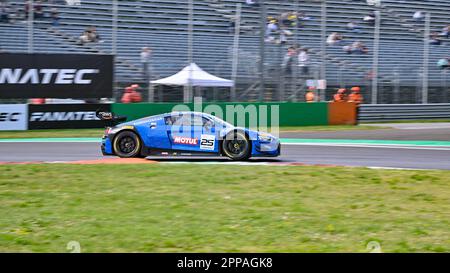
pixel 93 35
pixel 38 10
pixel 271 29
pixel 340 95
pixel 252 3
pixel 283 35
pixel 356 98
pixel 136 95
pixel 334 38
pixel 288 60
pixel 356 47
pixel 310 95
pixel 90 35
pixel 54 14
pixel 26 9
pixel 303 61
pixel 418 16
pixel 84 38
pixel 353 27
pixel 131 95
pixel 285 19
pixel 301 18
pixel 376 3
pixel 146 55
pixel 444 63
pixel 126 98
pixel 293 19
pixel 4 12
pixel 370 19
pixel 445 32
pixel 434 39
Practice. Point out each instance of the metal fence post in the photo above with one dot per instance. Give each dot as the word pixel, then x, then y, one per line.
pixel 376 48
pixel 323 67
pixel 262 49
pixel 237 33
pixel 31 26
pixel 426 58
pixel 188 96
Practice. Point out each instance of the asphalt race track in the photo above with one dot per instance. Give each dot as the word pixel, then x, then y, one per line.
pixel 368 155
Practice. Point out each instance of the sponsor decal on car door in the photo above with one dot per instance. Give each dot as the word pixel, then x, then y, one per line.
pixel 185 140
pixel 207 142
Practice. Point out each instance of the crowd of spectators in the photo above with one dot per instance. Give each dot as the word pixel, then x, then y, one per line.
pixel 278 29
pixel 296 56
pixel 356 47
pixel 436 36
pixel 12 13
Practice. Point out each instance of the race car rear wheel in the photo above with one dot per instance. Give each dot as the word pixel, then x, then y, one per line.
pixel 127 144
pixel 237 146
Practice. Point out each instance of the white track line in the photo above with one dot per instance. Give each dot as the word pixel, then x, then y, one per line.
pixel 355 145
pixel 385 146
pixel 284 164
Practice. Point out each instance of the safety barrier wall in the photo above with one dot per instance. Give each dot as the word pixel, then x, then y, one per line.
pixel 15 117
pixel 290 114
pixel 389 112
pixel 67 116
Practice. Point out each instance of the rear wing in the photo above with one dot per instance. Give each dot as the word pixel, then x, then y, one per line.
pixel 110 118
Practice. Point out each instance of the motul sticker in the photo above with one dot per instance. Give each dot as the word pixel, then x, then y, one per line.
pixel 185 140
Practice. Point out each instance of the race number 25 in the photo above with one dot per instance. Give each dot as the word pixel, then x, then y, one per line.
pixel 207 142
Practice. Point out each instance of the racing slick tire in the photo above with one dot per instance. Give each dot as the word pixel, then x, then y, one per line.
pixel 237 146
pixel 127 144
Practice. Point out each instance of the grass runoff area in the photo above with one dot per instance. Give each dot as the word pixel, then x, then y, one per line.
pixel 206 208
pixel 99 132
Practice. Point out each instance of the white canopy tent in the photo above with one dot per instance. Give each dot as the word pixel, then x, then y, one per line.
pixel 191 75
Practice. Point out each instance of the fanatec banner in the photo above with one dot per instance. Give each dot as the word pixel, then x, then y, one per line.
pixel 65 116
pixel 56 75
pixel 13 117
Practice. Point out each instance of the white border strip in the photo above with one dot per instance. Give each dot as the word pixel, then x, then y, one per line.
pixel 385 146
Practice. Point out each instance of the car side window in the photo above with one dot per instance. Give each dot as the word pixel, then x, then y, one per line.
pixel 170 120
pixel 207 123
pixel 184 120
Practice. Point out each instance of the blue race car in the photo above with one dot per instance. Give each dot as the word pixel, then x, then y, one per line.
pixel 184 133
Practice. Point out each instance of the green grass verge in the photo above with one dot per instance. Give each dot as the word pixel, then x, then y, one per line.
pixel 99 132
pixel 53 133
pixel 201 208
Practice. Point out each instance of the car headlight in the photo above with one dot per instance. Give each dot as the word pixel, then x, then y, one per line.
pixel 265 137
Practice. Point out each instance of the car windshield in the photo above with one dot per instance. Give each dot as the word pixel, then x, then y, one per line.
pixel 220 122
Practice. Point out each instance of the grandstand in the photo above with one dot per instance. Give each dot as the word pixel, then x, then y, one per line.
pixel 162 25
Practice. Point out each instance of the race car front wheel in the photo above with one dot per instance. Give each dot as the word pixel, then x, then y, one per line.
pixel 127 144
pixel 236 146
